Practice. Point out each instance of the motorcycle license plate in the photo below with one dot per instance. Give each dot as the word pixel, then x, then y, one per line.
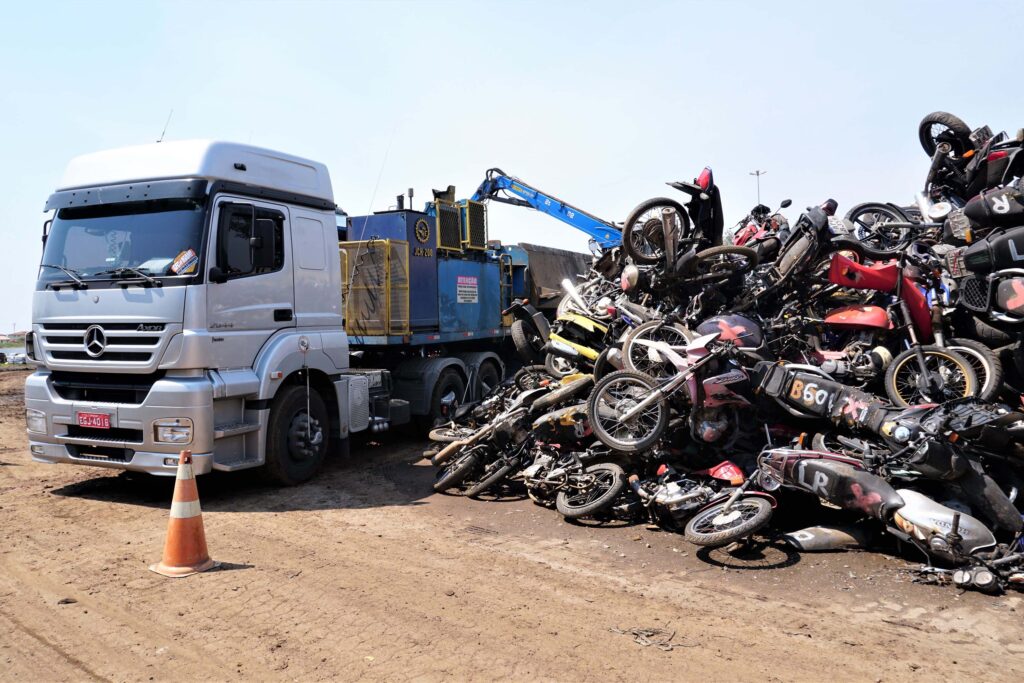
pixel 94 420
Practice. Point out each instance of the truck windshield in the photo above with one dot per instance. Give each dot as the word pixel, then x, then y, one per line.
pixel 158 238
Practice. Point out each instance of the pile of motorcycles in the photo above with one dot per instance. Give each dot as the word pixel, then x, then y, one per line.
pixel 872 362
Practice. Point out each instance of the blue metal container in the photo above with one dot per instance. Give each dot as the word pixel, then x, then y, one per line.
pixel 469 296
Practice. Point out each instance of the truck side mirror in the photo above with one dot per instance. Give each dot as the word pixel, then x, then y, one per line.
pixel 264 243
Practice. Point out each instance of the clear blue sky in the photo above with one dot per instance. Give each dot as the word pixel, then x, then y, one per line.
pixel 598 102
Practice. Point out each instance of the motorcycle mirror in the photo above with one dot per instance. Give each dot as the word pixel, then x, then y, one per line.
pixel 786 203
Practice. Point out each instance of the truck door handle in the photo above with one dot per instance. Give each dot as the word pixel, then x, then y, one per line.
pixel 282 315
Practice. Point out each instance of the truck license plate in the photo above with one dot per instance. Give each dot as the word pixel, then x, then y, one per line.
pixel 94 420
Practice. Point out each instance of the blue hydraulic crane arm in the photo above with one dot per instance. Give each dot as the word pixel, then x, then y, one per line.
pixel 500 187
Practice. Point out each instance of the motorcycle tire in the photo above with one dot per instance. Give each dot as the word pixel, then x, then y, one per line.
pixel 635 357
pixel 644 244
pixel 559 367
pixel 602 366
pixel 456 471
pixel 602 423
pixel 927 133
pixel 865 218
pixel 986 365
pixel 531 377
pixel 522 339
pixel 708 528
pixel 612 481
pixel 451 433
pixel 494 474
pixel 901 377
pixel 704 261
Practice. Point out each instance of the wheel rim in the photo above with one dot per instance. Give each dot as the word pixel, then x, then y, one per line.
pixel 869 227
pixel 305 437
pixel 618 397
pixel 599 484
pixel 715 520
pixel 950 380
pixel 647 234
pixel 563 366
pixel 978 364
pixel 640 357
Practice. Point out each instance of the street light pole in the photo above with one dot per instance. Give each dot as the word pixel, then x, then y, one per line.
pixel 758 174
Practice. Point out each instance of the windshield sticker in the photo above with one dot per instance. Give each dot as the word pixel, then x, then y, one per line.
pixel 185 262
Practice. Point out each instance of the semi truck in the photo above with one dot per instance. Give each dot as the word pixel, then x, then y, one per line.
pixel 212 296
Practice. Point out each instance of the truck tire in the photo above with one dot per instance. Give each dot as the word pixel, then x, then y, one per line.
pixel 292 457
pixel 449 381
pixel 487 378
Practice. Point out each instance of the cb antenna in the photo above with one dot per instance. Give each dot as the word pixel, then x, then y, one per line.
pixel 166 123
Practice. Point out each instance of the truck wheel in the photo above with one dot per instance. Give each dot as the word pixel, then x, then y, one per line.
pixel 448 382
pixel 487 379
pixel 297 440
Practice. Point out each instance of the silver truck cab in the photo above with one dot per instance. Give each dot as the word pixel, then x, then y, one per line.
pixel 189 296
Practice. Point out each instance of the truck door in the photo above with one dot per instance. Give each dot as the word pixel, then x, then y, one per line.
pixel 250 294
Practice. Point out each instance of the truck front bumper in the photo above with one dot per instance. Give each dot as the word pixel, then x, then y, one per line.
pixel 130 443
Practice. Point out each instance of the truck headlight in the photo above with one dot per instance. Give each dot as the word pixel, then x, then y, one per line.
pixel 35 421
pixel 173 430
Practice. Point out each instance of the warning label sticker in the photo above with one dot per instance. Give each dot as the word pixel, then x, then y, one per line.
pixel 465 289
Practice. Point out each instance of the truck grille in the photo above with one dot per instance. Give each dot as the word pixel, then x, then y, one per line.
pixel 101 343
pixel 126 436
pixel 102 453
pixel 98 388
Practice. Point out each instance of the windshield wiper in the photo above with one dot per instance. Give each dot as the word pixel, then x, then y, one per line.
pixel 73 274
pixel 125 270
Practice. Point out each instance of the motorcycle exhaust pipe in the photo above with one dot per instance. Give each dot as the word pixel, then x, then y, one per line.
pixel 557 348
pixel 446 453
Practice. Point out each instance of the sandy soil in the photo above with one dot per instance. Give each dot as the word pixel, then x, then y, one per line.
pixel 365 574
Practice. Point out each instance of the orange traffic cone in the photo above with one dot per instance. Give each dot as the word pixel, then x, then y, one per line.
pixel 185 551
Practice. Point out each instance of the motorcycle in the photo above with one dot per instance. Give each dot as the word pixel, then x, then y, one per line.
pixel 763 231
pixel 579 483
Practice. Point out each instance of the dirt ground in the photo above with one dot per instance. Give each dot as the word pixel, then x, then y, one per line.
pixel 366 574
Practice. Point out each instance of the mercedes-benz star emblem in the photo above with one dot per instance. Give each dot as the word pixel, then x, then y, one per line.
pixel 95 341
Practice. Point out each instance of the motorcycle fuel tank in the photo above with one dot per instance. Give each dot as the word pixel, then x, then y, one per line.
pixel 859 317
pixel 922 518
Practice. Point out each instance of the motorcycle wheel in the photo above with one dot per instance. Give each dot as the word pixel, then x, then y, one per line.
pixel 451 433
pixel 607 482
pixel 902 377
pixel 615 394
pixel 720 263
pixel 456 471
pixel 494 474
pixel 636 357
pixel 527 344
pixel 559 367
pixel 712 529
pixel 869 222
pixel 985 363
pixel 643 237
pixel 943 126
pixel 531 377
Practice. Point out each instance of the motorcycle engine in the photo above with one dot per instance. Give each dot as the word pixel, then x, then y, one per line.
pixel 678 499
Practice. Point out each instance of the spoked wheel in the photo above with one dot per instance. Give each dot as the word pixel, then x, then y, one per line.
pixel 494 473
pixel 940 126
pixel 720 263
pixel 870 225
pixel 715 527
pixel 641 358
pixel 592 491
pixel 451 433
pixel 457 470
pixel 616 395
pixel 559 367
pixel 532 377
pixel 985 363
pixel 643 234
pixel 949 375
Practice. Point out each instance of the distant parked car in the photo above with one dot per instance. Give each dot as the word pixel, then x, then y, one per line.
pixel 17 359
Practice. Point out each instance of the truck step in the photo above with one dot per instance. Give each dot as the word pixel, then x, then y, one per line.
pixel 225 431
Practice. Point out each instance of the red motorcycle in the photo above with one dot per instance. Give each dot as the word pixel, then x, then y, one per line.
pixel 857 342
pixel 763 231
